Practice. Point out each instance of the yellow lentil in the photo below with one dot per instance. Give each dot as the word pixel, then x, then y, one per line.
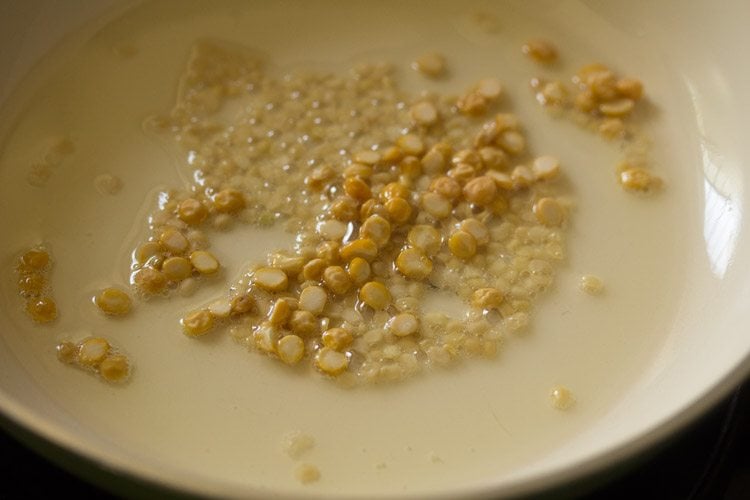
pixel 549 212
pixel 357 188
pixel 174 241
pixel 92 351
pixel 290 349
pixel 280 312
pixel 413 263
pixel 149 280
pixel 271 279
pixel 404 324
pixel 337 338
pixel 337 280
pixel 197 323
pixel 462 245
pixel 638 179
pixel 229 201
pixel 331 362
pixel 375 295
pixel 399 210
pixel 114 368
pixel 313 299
pixel 67 352
pixel 177 268
pixel 303 323
pixel 377 229
pixel 364 248
pixel 42 309
pixel 35 260
pixel 359 270
pixel 113 301
pixel 192 211
pixel 427 238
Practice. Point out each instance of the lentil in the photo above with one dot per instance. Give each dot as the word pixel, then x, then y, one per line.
pixel 197 323
pixel 113 301
pixel 92 351
pixel 42 309
pixel 359 270
pixel 480 190
pixel 414 264
pixel 591 284
pixel 337 280
pixel 279 313
pixel 364 248
pixel 404 324
pixel 98 355
pixel 540 51
pixel 229 201
pixel 303 323
pixel 149 280
pixel 271 279
pixel 331 362
pixel 462 244
pixel 430 64
pixel 291 349
pixel 192 211
pixel 375 295
pixel 313 299
pixel 336 338
pixel 174 241
pixel 638 179
pixel 561 398
pixel 549 212
pixel 176 268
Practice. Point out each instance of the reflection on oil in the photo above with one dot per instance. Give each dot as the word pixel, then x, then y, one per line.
pixel 723 180
pixel 721 225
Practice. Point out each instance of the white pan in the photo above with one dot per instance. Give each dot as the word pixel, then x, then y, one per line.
pixel 667 340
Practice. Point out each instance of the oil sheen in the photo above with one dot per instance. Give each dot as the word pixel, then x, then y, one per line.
pixel 211 410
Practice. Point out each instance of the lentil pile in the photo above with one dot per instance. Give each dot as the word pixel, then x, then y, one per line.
pixel 97 355
pixel 391 197
pixel 600 100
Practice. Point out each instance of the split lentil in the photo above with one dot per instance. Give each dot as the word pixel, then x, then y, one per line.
pixel 113 301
